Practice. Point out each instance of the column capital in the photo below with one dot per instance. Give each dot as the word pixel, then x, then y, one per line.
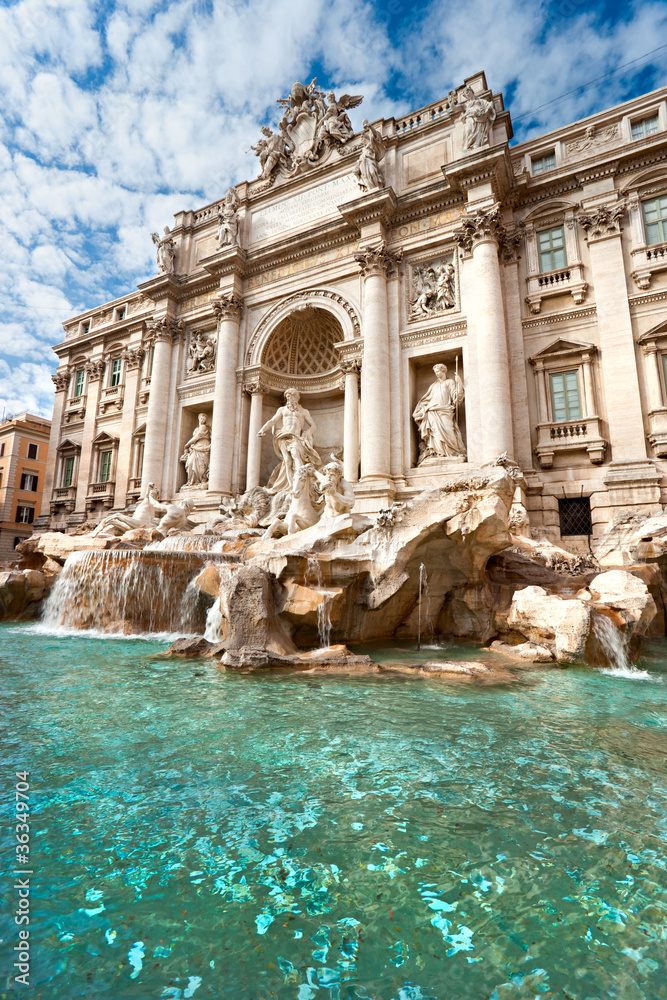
pixel 228 305
pixel 256 389
pixel 95 368
pixel 482 226
pixel 509 244
pixel 377 259
pixel 603 221
pixel 61 378
pixel 166 329
pixel 350 365
pixel 133 356
pixel 650 347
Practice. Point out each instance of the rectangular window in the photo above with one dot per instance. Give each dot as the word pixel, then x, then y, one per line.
pixel 29 482
pixel 68 471
pixel 551 248
pixel 575 516
pixel 78 382
pixel 25 515
pixel 116 366
pixel 86 327
pixel 121 313
pixel 655 220
pixel 565 397
pixel 105 466
pixel 543 163
pixel 1 474
pixel 2 449
pixel 32 452
pixel 644 127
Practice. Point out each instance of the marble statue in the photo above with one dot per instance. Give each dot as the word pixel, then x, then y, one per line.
pixel 271 151
pixel 293 429
pixel 176 517
pixel 301 511
pixel 145 515
pixel 228 219
pixel 166 251
pixel 337 493
pixel 433 288
pixel 197 452
pixel 436 417
pixel 478 114
pixel 367 170
pixel 201 353
pixel 335 122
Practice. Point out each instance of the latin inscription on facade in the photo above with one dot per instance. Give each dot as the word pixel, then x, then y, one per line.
pixel 303 208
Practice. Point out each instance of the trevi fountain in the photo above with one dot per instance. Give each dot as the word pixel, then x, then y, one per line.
pixel 322 735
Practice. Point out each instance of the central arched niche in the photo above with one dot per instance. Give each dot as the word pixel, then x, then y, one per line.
pixel 303 344
pixel 302 347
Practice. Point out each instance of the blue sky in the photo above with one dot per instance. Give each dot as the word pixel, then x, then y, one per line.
pixel 115 115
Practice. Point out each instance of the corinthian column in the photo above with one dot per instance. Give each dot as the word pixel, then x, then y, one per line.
pixel 223 424
pixel 376 263
pixel 61 381
pixel 351 420
pixel 161 334
pixel 480 235
pixel 132 356
pixel 256 393
pixel 94 372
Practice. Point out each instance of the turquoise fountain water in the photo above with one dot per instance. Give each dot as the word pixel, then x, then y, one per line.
pixel 204 834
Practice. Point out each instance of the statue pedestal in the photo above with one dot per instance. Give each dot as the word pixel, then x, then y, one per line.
pixel 435 472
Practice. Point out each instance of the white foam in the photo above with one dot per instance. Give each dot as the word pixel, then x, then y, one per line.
pixel 631 673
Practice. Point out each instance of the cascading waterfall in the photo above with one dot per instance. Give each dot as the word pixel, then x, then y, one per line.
pixel 187 543
pixel 313 578
pixel 423 596
pixel 134 592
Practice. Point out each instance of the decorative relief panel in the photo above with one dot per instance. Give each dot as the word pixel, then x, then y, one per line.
pixel 201 353
pixel 432 288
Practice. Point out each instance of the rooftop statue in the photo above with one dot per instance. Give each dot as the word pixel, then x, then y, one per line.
pixel 166 251
pixel 228 219
pixel 367 170
pixel 312 122
pixel 478 114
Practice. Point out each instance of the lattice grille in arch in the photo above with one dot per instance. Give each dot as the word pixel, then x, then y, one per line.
pixel 303 343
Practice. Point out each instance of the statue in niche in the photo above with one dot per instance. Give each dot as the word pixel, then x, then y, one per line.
pixel 433 288
pixel 166 251
pixel 228 219
pixel 293 429
pixel 478 114
pixel 335 490
pixel 201 353
pixel 367 171
pixel 176 518
pixel 436 417
pixel 197 453
pixel 145 515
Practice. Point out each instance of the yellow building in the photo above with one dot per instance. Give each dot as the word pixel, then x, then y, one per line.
pixel 24 443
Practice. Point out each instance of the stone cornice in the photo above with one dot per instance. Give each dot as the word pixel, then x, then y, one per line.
pixel 229 260
pixel 565 317
pixel 434 334
pixel 483 166
pixel 163 286
pixel 376 206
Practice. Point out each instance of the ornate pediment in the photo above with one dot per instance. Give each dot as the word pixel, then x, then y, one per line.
pixel 563 347
pixel 69 445
pixel 313 122
pixel 660 330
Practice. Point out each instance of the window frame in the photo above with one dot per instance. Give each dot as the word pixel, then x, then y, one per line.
pixel 66 466
pixel 640 122
pixel 551 250
pixel 29 509
pixel 79 380
pixel 535 168
pixel 563 373
pixel 33 458
pixel 115 372
pixel 108 452
pixel 661 221
pixel 29 476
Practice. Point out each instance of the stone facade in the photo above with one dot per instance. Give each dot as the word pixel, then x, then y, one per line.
pixel 354 264
pixel 24 443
